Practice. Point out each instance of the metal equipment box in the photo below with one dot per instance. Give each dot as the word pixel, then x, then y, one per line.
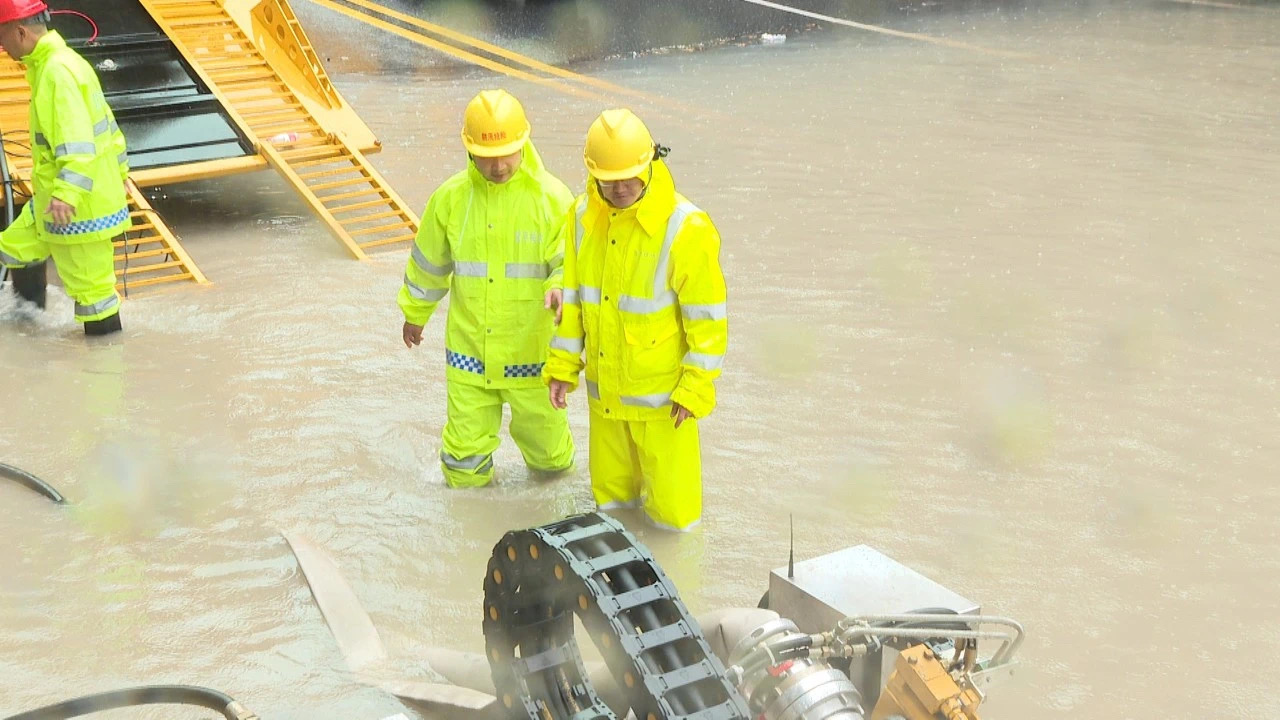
pixel 858 580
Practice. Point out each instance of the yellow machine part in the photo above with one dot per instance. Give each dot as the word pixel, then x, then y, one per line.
pixel 920 688
pixel 255 58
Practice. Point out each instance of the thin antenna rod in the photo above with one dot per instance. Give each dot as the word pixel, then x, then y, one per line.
pixel 791 554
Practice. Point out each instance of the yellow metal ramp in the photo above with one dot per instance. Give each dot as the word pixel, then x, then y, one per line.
pixel 326 170
pixel 150 254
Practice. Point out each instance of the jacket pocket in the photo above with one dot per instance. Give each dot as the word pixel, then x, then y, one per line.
pixel 653 350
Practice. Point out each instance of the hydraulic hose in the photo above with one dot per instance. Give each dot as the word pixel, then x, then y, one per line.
pixel 958 626
pixel 148 695
pixel 789 647
pixel 31 481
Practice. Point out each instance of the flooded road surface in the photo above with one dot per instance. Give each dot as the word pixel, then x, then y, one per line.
pixel 1011 321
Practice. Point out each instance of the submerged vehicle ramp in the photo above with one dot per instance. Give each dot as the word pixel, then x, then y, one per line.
pixel 274 88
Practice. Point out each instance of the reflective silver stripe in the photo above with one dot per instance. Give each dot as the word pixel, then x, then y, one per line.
pixel 114 126
pixel 420 293
pixel 663 296
pixel 572 345
pixel 556 261
pixel 593 390
pixel 470 269
pixel 429 267
pixel 682 211
pixel 581 231
pixel 649 401
pixel 467 463
pixel 75 178
pixel 41 139
pixel 98 307
pixel 76 148
pixel 102 126
pixel 533 271
pixel 122 158
pixel 570 296
pixel 10 261
pixel 672 528
pixel 644 306
pixel 717 311
pixel 704 361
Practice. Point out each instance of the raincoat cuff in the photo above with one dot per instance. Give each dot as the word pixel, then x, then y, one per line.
pixel 548 375
pixel 700 404
pixel 414 316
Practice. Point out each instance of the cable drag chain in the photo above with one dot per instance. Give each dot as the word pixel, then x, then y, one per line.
pixel 591 568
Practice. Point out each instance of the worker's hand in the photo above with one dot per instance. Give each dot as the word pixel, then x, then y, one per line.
pixel 555 301
pixel 412 335
pixel 61 212
pixel 559 394
pixel 680 413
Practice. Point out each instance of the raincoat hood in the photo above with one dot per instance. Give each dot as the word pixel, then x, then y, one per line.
pixel 531 168
pixel 652 209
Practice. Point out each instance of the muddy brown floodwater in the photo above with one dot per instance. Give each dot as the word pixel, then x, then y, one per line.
pixel 1012 321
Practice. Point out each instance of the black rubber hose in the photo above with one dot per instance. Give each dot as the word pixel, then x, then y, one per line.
pixel 8 197
pixel 10 211
pixel 921 611
pixel 130 697
pixel 907 624
pixel 31 481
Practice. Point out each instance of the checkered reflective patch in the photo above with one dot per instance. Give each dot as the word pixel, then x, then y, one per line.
pixel 529 370
pixel 463 362
pixel 81 227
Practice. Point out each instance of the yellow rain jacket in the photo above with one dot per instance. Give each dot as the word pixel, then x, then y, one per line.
pixel 78 152
pixel 645 298
pixel 498 248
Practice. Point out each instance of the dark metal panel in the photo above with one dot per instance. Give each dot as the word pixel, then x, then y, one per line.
pixel 168 116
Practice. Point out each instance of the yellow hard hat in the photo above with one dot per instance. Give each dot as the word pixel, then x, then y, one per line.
pixel 494 124
pixel 619 146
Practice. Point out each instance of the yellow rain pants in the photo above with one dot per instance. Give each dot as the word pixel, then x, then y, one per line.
pixel 648 463
pixel 87 269
pixel 471 432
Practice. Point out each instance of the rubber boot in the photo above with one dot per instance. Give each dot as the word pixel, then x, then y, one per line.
pixel 30 282
pixel 105 326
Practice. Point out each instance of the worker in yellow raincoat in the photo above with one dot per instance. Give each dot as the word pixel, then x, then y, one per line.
pixel 492 234
pixel 79 169
pixel 644 299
